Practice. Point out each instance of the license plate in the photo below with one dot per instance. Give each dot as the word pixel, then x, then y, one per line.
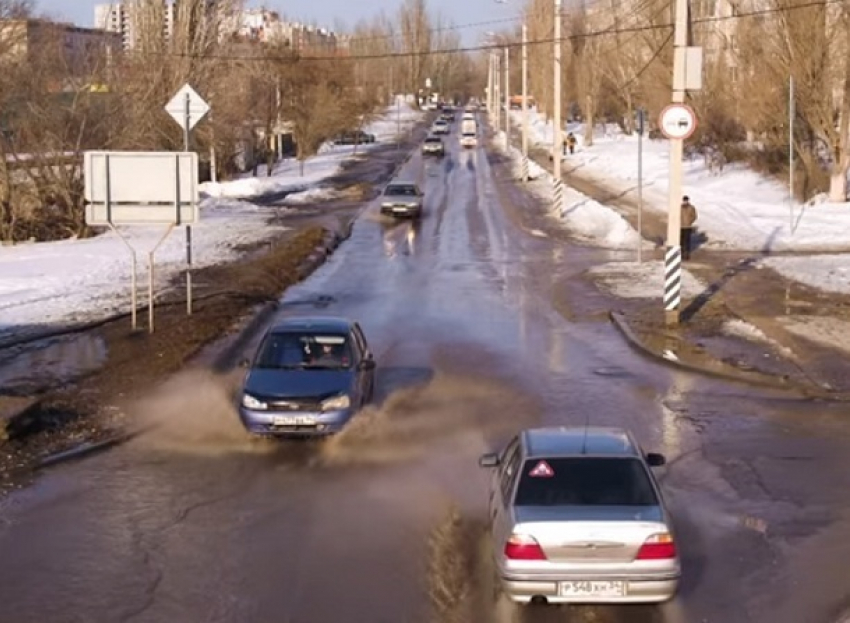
pixel 300 420
pixel 592 589
pixel 400 209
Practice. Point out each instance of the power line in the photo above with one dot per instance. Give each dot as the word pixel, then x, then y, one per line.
pixel 491 46
pixel 648 63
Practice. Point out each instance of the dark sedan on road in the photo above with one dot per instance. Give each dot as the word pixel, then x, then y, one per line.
pixel 308 378
pixel 402 199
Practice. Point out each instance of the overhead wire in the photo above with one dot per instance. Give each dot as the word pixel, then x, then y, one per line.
pixel 489 46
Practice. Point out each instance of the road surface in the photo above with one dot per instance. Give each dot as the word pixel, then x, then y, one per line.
pixel 195 523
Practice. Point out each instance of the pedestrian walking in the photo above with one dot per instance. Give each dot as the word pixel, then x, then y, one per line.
pixel 571 142
pixel 689 217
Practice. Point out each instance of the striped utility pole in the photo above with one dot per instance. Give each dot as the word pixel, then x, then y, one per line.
pixel 557 140
pixel 524 102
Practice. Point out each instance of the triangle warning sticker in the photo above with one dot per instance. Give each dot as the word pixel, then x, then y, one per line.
pixel 542 470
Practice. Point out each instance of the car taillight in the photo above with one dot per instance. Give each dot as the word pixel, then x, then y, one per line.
pixel 522 547
pixel 657 547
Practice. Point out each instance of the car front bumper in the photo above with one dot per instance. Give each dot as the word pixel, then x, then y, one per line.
pixel 639 589
pixel 401 210
pixel 433 152
pixel 294 423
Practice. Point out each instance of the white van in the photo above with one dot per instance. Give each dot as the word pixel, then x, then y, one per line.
pixel 468 133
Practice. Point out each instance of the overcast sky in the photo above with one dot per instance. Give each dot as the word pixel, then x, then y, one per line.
pixel 329 13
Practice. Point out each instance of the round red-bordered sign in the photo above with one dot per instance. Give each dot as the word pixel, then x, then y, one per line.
pixel 678 121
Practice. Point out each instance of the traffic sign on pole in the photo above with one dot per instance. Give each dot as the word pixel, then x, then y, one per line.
pixel 678 121
pixel 187 107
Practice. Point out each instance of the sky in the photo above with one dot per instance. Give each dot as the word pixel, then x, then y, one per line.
pixel 328 13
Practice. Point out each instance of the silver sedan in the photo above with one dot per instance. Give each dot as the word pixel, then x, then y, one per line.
pixel 577 516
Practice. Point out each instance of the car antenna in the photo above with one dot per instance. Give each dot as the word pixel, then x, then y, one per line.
pixel 584 439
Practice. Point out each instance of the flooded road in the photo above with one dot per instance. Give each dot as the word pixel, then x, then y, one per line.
pixel 196 523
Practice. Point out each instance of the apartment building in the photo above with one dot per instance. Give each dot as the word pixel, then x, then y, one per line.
pixel 124 18
pixel 268 26
pixel 81 48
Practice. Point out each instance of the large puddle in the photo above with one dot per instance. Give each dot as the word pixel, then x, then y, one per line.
pixel 37 366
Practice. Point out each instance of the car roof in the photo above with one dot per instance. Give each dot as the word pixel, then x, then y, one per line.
pixel 401 183
pixel 321 324
pixel 579 441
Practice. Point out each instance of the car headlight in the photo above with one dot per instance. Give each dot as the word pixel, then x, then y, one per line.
pixel 336 403
pixel 249 402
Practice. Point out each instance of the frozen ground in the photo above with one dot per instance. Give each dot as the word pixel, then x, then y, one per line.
pixel 80 280
pixel 643 280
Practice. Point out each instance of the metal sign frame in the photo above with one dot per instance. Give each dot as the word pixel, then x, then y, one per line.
pixel 119 192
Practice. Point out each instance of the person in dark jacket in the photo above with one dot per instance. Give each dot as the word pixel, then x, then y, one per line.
pixel 689 217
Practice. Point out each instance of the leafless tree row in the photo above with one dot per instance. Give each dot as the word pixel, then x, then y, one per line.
pixel 618 56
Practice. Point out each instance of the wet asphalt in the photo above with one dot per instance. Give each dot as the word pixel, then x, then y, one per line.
pixel 194 522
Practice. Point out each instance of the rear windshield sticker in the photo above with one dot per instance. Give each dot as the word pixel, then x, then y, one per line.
pixel 542 470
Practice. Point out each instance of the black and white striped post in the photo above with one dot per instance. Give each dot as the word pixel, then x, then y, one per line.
pixel 524 171
pixel 558 196
pixel 673 280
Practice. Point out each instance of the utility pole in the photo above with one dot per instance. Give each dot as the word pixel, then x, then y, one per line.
pixel 507 96
pixel 682 76
pixel 490 86
pixel 557 140
pixel 497 79
pixel 524 102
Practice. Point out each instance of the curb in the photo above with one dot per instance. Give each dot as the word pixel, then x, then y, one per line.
pixel 85 449
pixel 639 346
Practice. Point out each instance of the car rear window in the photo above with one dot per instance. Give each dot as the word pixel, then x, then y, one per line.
pixel 401 190
pixel 585 481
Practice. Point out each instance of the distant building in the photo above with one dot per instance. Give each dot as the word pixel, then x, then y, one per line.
pixel 124 18
pixel 82 49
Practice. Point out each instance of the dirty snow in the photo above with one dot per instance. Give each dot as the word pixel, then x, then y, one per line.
pixel 641 280
pixel 583 216
pixel 742 329
pixel 312 195
pixel 738 208
pixel 829 272
pixel 80 280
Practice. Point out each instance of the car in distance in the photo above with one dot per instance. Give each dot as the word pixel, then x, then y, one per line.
pixel 440 127
pixel 357 137
pixel 402 199
pixel 308 377
pixel 433 146
pixel 578 517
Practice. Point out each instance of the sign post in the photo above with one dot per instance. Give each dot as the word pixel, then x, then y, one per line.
pixel 678 122
pixel 641 119
pixel 119 192
pixel 187 108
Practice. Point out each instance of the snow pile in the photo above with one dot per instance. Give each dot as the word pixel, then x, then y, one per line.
pixel 743 329
pixel 641 280
pixel 586 218
pixel 738 208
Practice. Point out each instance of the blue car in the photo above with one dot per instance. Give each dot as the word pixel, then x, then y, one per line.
pixel 308 378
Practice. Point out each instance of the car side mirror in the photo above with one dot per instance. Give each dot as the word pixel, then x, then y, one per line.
pixel 654 459
pixel 491 459
pixel 244 363
pixel 367 364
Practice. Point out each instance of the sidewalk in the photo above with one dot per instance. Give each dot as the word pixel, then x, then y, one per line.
pixel 739 317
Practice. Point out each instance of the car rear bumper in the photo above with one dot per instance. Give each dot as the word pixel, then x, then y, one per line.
pixel 639 589
pixel 294 423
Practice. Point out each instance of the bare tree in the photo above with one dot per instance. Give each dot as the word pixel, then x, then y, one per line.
pixel 416 42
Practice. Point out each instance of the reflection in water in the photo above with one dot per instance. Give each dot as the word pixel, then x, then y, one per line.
pixel 411 239
pixel 557 359
pixel 400 238
pixel 671 403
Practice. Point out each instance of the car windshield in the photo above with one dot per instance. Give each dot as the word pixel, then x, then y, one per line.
pixel 292 351
pixel 408 191
pixel 585 481
pixel 432 139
